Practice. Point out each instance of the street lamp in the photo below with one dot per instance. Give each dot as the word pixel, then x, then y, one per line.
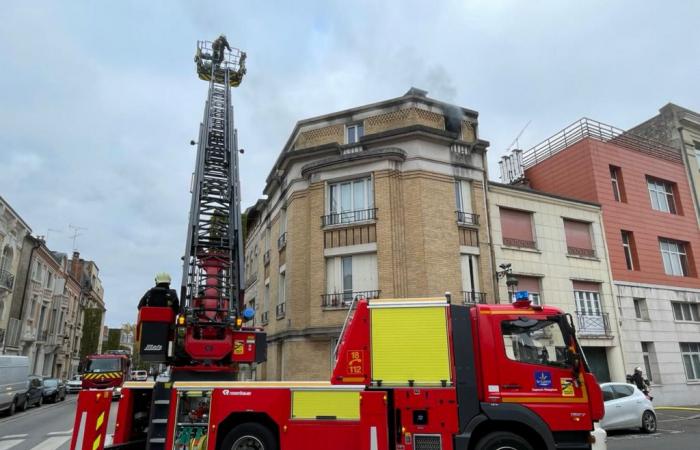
pixel 511 280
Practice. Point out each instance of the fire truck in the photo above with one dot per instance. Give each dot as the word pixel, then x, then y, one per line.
pixel 409 374
pixel 106 371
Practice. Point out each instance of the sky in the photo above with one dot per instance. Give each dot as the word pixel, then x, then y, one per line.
pixel 99 100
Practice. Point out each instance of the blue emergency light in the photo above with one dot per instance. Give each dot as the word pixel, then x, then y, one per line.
pixel 522 295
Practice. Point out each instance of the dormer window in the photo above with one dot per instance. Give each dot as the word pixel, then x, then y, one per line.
pixel 354 133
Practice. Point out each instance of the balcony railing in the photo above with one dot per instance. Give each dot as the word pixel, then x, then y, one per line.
pixel 576 251
pixel 473 297
pixel 265 317
pixel 593 324
pixel 344 299
pixel 266 257
pixel 465 218
pixel 349 217
pixel 43 336
pixel 510 242
pixel 7 280
pixel 281 310
pixel 282 241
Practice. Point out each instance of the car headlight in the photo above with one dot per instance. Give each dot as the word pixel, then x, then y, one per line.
pixel 117 389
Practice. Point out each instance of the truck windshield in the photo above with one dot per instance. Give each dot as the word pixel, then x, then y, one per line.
pixel 535 342
pixel 103 365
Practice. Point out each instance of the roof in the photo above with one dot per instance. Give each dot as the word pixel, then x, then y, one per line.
pixel 26 225
pixel 542 193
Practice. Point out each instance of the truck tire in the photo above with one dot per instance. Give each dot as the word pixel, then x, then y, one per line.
pixel 503 440
pixel 249 436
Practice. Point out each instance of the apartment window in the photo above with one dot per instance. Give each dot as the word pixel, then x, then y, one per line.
pixel 630 250
pixel 282 289
pixel 516 228
pixel 661 193
pixel 532 286
pixel 649 358
pixel 348 277
pixel 350 201
pixel 690 352
pixel 578 238
pixel 589 310
pixel 470 279
pixel 354 133
pixel 687 312
pixel 640 308
pixel 266 297
pixel 617 185
pixel 283 221
pixel 675 257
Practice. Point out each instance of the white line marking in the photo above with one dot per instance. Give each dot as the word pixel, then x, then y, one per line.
pixel 14 436
pixel 4 445
pixel 51 443
pixel 60 433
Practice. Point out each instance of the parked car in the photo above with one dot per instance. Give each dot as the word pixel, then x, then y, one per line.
pixel 14 371
pixel 75 384
pixel 35 391
pixel 139 375
pixel 627 407
pixel 54 390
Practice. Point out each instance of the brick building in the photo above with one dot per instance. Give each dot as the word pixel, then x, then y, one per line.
pixel 652 237
pixel 383 200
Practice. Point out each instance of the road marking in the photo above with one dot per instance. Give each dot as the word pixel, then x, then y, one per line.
pixel 14 436
pixel 51 443
pixel 61 433
pixel 4 445
pixel 675 408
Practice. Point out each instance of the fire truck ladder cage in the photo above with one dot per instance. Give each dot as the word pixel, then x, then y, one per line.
pixel 213 253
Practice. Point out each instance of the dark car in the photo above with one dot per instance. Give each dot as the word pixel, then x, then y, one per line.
pixel 54 390
pixel 35 392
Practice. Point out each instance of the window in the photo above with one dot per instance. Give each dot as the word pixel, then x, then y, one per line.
pixel 463 196
pixel 589 311
pixel 617 185
pixel 608 393
pixel 266 297
pixel 649 357
pixel 283 221
pixel 622 390
pixel 281 289
pixel 578 238
pixel 470 279
pixel 350 276
pixel 690 352
pixel 630 250
pixel 534 342
pixel 350 201
pixel 661 193
pixel 640 308
pixel 675 257
pixel 532 286
pixel 516 228
pixel 687 312
pixel 354 133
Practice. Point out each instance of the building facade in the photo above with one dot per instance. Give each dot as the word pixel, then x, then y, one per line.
pixel 652 236
pixel 557 250
pixel 92 330
pixel 12 233
pixel 383 200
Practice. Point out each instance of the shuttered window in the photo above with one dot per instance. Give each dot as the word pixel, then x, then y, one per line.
pixel 516 228
pixel 578 238
pixel 532 286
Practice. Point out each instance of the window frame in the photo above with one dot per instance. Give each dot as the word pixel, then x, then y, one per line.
pixel 617 184
pixel 662 190
pixel 514 241
pixel 646 359
pixel 641 310
pixel 681 253
pixel 358 131
pixel 692 352
pixel 516 359
pixel 629 250
pixel 334 189
pixel 689 314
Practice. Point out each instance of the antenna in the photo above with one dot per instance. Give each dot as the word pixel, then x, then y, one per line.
pixel 48 231
pixel 515 141
pixel 76 233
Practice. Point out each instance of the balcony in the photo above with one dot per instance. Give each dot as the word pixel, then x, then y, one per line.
pixel 473 297
pixel 583 252
pixel 520 243
pixel 465 218
pixel 349 217
pixel 345 299
pixel 7 280
pixel 592 325
pixel 281 310
pixel 282 241
pixel 266 257
pixel 265 317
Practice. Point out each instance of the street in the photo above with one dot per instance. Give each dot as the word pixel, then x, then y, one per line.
pixel 677 430
pixel 47 427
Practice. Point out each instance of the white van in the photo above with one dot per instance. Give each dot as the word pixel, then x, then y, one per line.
pixel 14 371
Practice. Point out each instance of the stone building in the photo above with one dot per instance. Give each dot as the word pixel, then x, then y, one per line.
pixel 70 322
pixel 12 232
pixel 382 200
pixel 679 128
pixel 87 274
pixel 653 241
pixel 556 246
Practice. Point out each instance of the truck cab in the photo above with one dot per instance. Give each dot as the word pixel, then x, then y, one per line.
pixel 106 371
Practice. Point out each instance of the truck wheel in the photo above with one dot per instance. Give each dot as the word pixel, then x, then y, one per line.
pixel 648 422
pixel 503 440
pixel 249 436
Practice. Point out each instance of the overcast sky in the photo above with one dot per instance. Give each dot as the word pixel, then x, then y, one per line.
pixel 99 100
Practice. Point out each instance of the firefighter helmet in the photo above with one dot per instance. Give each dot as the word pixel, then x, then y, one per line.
pixel 163 277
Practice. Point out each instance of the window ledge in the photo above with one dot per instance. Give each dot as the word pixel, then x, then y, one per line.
pixel 642 320
pixel 521 249
pixel 589 258
pixel 348 224
pixel 688 322
pixel 693 382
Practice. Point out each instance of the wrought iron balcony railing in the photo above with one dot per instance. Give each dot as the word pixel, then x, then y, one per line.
pixel 7 280
pixel 282 241
pixel 349 217
pixel 576 251
pixel 473 297
pixel 281 310
pixel 344 299
pixel 593 324
pixel 465 218
pixel 510 242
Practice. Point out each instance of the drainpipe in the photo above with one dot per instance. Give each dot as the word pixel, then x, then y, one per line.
pixel 689 174
pixel 492 252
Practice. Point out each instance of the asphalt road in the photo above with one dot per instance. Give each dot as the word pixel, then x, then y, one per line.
pixel 677 430
pixel 48 427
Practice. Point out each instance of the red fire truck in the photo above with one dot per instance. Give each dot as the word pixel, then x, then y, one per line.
pixel 106 371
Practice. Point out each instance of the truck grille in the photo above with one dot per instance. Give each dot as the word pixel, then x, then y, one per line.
pixel 427 442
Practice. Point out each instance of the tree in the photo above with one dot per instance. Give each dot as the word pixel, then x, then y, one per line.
pixel 113 340
pixel 91 332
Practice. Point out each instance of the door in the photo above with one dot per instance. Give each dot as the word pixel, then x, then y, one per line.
pixel 626 403
pixel 590 312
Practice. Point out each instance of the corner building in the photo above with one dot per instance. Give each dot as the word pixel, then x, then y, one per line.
pixel 652 238
pixel 383 200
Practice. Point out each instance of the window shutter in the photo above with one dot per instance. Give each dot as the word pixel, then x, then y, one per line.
pixel 516 224
pixel 578 234
pixel 586 286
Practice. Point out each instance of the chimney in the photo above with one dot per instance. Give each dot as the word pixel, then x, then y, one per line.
pixel 75 265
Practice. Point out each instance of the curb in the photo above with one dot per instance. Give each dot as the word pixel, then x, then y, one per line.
pixel 676 408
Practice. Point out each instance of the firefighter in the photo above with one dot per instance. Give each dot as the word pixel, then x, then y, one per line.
pixel 218 49
pixel 161 295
